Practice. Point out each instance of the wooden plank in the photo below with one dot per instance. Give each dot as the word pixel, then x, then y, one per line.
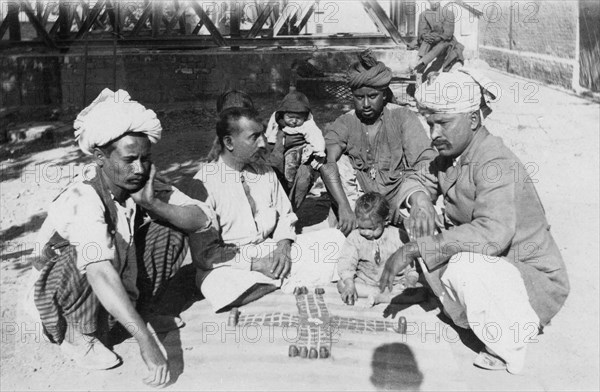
pixel 46 13
pixel 64 28
pixel 3 27
pixel 197 28
pixel 235 14
pixel 12 17
pixel 56 25
pixel 113 8
pixel 307 14
pixel 90 20
pixel 157 13
pixel 176 18
pixel 284 18
pixel 214 32
pixel 265 12
pixel 380 18
pixel 142 20
pixel 37 25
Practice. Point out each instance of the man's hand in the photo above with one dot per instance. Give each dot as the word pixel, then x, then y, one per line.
pixel 429 38
pixel 282 259
pixel 421 222
pixel 145 196
pixel 397 263
pixel 158 367
pixel 346 220
pixel 349 294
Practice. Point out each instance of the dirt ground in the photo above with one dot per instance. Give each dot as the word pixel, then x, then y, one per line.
pixel 555 134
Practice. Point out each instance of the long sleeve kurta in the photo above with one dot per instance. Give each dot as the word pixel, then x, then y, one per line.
pixel 494 209
pixel 400 147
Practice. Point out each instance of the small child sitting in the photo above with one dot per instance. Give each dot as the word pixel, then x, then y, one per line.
pixel 366 251
pixel 303 142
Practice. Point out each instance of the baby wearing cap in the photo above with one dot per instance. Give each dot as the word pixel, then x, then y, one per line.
pixel 303 142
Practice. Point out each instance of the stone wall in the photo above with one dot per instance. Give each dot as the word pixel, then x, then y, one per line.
pixel 535 39
pixel 61 80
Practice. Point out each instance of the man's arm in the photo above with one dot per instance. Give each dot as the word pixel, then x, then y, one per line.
pixel 331 178
pixel 188 218
pixel 107 286
pixel 493 223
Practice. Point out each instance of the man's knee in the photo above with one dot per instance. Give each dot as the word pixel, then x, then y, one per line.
pixel 465 264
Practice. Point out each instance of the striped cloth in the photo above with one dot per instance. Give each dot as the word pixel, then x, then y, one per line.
pixel 63 296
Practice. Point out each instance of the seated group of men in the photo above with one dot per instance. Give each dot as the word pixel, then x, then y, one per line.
pixel 117 235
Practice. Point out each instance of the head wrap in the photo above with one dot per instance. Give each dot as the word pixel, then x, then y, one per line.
pixel 112 115
pixel 294 102
pixel 465 91
pixel 368 72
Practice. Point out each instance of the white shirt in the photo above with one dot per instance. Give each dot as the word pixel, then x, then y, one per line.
pixel 226 196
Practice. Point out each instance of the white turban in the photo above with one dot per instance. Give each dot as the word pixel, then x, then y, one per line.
pixel 455 92
pixel 110 116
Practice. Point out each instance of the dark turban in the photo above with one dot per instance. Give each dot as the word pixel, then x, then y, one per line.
pixel 368 72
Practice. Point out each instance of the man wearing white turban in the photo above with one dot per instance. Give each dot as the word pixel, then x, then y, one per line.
pixel 113 238
pixel 494 266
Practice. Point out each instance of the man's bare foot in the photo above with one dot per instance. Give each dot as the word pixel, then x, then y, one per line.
pixel 88 352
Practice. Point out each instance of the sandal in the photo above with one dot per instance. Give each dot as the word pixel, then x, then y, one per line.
pixel 489 361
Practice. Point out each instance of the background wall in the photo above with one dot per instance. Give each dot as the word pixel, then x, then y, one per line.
pixel 535 39
pixel 71 81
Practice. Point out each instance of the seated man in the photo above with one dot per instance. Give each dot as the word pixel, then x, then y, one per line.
pixel 435 40
pixel 372 148
pixel 253 246
pixel 96 245
pixel 496 269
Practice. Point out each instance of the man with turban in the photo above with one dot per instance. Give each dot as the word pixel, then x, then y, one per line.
pixel 113 237
pixel 436 40
pixel 494 266
pixel 374 146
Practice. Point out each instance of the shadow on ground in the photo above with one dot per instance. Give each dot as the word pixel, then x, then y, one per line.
pixel 394 368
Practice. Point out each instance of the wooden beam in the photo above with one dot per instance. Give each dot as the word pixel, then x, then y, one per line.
pixel 307 14
pixel 214 32
pixel 37 25
pixel 197 27
pixel 235 14
pixel 114 15
pixel 13 24
pixel 90 20
pixel 3 27
pixel 265 12
pixel 157 13
pixel 142 20
pixel 176 18
pixel 380 18
pixel 203 41
pixel 64 29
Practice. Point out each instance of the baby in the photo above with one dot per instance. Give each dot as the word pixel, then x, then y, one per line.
pixel 365 252
pixel 303 141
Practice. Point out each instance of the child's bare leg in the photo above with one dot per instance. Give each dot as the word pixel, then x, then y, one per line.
pixel 377 297
pixel 365 290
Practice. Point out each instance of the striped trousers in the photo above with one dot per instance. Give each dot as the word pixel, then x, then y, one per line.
pixel 63 296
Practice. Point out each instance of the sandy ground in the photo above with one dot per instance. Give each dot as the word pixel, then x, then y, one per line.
pixel 554 133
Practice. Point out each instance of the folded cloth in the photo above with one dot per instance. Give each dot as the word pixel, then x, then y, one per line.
pixel 314 259
pixel 224 285
pixel 110 116
pixel 464 91
pixel 368 72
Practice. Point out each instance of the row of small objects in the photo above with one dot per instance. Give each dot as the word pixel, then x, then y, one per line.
pixel 304 352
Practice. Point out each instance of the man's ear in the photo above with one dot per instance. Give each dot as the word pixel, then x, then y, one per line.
pixel 475 119
pixel 228 142
pixel 99 156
